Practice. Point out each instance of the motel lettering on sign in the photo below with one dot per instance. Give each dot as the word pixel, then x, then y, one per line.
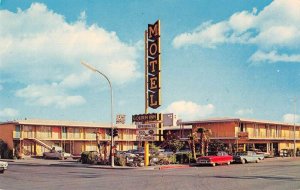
pixel 153 68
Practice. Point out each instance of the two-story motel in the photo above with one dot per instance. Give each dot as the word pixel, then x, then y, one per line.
pixel 33 137
pixel 243 134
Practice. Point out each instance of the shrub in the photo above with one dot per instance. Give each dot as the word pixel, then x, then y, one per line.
pixel 183 158
pixel 120 160
pixel 89 157
pixel 172 159
pixel 5 152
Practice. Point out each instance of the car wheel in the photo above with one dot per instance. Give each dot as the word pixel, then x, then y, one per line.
pixel 243 161
pixel 257 161
pixel 1 171
pixel 228 163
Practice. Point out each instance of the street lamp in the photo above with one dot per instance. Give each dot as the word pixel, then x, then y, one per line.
pixel 295 128
pixel 111 109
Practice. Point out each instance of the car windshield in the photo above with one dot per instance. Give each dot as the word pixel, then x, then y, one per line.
pixel 212 153
pixel 241 153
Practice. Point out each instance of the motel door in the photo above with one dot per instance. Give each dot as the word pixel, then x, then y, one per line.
pixel 17 132
pixel 64 133
pixel 67 147
pixel 275 149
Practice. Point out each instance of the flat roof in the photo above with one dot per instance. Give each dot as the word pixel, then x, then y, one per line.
pixel 44 122
pixel 177 127
pixel 221 120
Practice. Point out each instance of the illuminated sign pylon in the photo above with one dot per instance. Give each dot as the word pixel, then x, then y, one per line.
pixel 153 65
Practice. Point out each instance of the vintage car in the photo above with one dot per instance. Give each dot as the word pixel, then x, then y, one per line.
pixel 214 158
pixel 247 156
pixel 3 166
pixel 53 154
pixel 264 154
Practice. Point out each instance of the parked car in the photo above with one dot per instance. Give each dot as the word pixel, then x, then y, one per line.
pixel 139 152
pixel 53 154
pixel 214 158
pixel 264 154
pixel 3 166
pixel 286 152
pixel 248 156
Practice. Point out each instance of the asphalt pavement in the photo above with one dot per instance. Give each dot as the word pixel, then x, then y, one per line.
pixel 270 174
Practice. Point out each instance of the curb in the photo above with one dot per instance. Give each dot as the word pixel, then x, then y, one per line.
pixel 7 160
pixel 112 168
pixel 173 167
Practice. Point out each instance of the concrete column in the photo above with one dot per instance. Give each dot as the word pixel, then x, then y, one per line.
pixel 268 147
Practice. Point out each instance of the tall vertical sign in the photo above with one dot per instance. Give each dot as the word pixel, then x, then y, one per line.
pixel 152 73
pixel 153 65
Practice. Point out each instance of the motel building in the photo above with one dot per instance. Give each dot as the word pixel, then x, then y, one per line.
pixel 33 137
pixel 245 134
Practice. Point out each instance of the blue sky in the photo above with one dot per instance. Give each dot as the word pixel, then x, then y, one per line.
pixel 219 58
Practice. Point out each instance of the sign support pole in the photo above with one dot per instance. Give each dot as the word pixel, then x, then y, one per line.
pixel 146 145
pixel 146 72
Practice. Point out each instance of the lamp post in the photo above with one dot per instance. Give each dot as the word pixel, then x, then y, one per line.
pixel 294 127
pixel 111 109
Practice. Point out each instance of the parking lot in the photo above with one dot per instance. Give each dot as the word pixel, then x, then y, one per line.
pixel 273 173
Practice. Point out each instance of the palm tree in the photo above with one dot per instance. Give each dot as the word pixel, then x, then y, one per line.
pixel 192 142
pixel 172 141
pixel 204 139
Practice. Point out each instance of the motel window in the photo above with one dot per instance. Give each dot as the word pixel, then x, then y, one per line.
pixel 91 147
pixel 278 131
pixel 64 132
pixel 107 131
pixel 70 133
pixel 268 130
pixel 291 132
pixel 242 127
pixel 28 131
pixel 48 132
pixel 18 129
pixel 132 133
pixel 90 133
pixel 45 132
pixel 76 133
pixel 255 132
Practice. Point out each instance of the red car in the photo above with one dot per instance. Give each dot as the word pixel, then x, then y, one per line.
pixel 214 158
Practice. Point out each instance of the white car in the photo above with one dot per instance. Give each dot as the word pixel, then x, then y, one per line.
pixel 56 155
pixel 3 166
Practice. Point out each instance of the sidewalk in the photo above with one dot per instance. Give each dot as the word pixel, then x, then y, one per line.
pixel 75 163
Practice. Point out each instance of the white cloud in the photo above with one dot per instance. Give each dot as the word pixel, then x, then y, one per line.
pixel 43 45
pixel 272 57
pixel 76 80
pixel 188 110
pixel 291 118
pixel 274 28
pixel 39 48
pixel 208 35
pixel 49 95
pixel 242 21
pixel 1 87
pixel 243 112
pixel 8 113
